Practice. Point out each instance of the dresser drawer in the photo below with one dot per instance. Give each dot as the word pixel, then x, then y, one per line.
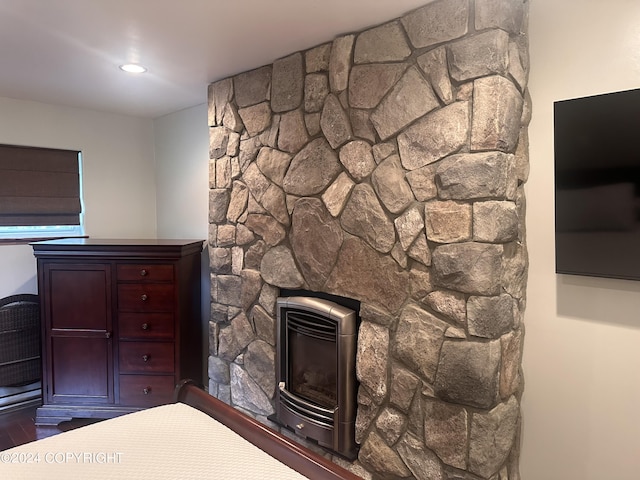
pixel 145 273
pixel 144 326
pixel 146 390
pixel 146 357
pixel 151 297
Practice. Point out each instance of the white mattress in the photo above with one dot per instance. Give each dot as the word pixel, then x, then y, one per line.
pixel 173 442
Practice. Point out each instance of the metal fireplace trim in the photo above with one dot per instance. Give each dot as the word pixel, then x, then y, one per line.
pixel 332 428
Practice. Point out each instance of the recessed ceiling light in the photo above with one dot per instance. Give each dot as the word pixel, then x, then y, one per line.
pixel 132 68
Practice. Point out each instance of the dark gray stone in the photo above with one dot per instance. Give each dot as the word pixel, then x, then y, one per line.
pixel 237 201
pixel 418 340
pixel 422 182
pixel 312 169
pixel 264 325
pixel 266 227
pixel 223 172
pixel 251 286
pixel 468 267
pixel 364 274
pixel 279 268
pixel 252 87
pixel 424 464
pixel 229 290
pixel 219 95
pixel 365 415
pixel 317 59
pixel 403 387
pixel 515 269
pixel 218 142
pixel 247 394
pixel 316 238
pixel 497 110
pixel 486 53
pixel 409 225
pixel 434 65
pixel 468 373
pixel 220 260
pixel 368 84
pixel 274 202
pixel 373 226
pixel 334 122
pixel 492 436
pixel 340 63
pixel 316 89
pixel 382 458
pixel 391 424
pixel 226 235
pixel 357 158
pixel 259 362
pixel 361 124
pixel 372 357
pixel 389 182
pixel 287 83
pixel 449 303
pixel 437 22
pixel 505 14
pixel 437 135
pixel 490 317
pixel 385 43
pixel 254 179
pixel 411 98
pixel 510 378
pixel 256 118
pixel 495 222
pixel 469 176
pixel 420 250
pixel 218 370
pixel 273 164
pixel 293 132
pixel 445 432
pixel 231 119
pixel 234 338
pixel 254 254
pixel 335 197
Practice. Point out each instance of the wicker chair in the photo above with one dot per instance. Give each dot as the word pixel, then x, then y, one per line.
pixel 19 340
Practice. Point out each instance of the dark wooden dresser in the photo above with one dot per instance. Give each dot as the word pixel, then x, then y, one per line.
pixel 121 324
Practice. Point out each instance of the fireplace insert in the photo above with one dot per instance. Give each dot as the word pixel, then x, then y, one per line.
pixel 316 356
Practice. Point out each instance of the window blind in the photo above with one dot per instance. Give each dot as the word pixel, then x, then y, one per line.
pixel 39 186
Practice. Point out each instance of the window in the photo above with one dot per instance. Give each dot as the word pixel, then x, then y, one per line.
pixel 40 192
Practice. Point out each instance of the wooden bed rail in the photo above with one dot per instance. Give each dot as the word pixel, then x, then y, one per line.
pixel 299 458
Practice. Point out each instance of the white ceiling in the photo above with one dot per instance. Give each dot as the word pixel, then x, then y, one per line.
pixel 67 52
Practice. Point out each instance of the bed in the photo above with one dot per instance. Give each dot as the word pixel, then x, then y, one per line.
pixel 197 437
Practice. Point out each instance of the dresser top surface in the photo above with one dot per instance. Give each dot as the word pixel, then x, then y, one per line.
pixel 126 247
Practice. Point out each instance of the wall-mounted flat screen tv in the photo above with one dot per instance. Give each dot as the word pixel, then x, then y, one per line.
pixel 597 185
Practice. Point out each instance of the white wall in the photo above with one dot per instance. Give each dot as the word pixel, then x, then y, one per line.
pixel 182 197
pixel 182 173
pixel 118 167
pixel 581 405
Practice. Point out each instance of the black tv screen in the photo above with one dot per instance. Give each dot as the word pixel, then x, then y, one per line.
pixel 597 185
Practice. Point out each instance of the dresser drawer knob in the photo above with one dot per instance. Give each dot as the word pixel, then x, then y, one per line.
pixel 145 326
pixel 146 390
pixel 143 272
pixel 144 297
pixel 146 358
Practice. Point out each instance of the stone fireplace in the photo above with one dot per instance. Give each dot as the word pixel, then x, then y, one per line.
pixel 387 166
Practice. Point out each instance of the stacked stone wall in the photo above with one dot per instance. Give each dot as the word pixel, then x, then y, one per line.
pixel 388 166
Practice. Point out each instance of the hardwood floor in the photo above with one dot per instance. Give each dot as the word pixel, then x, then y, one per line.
pixel 18 427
